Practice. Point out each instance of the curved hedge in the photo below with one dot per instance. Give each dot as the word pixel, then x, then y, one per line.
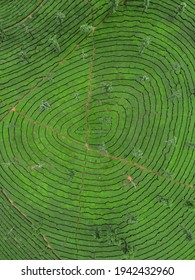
pixel 97 130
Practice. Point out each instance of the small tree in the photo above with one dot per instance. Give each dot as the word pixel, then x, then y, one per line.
pixel 93 255
pixel 132 219
pixel 55 45
pixel 106 120
pixel 76 96
pixel 146 43
pixel 44 106
pixel 176 68
pixel 175 94
pixel 191 145
pixel 24 56
pixel 2 35
pixel 146 4
pixel 39 165
pixel 49 77
pixel 60 17
pixel 164 201
pixel 167 173
pixel 130 253
pixel 36 231
pixel 181 8
pixel 115 5
pixel 102 147
pixel 137 153
pixel 72 174
pixel 98 234
pixel 28 30
pixel 144 78
pixel 189 203
pixel 172 141
pixel 189 235
pixel 7 164
pixel 112 237
pixel 87 28
pixel 124 246
pixel 83 54
pixel 107 86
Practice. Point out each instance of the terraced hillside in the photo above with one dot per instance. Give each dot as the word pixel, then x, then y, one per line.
pixel 97 129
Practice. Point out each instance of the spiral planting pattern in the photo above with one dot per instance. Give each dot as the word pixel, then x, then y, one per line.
pixel 97 130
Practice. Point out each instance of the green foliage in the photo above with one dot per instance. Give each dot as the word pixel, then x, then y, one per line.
pixel 71 174
pixel 189 236
pixel 60 17
pixel 137 153
pixel 189 203
pixel 175 95
pixel 76 96
pixel 171 142
pixel 112 237
pixel 132 219
pixel 165 201
pixel 167 172
pixel 124 246
pixel 70 163
pixel 191 145
pixel 114 4
pixel 2 35
pixel 84 55
pixel 144 78
pixel 86 28
pixel 146 4
pixel 55 44
pixel 44 105
pixel 98 234
pixel 49 77
pixel 181 8
pixel 176 68
pixel 106 120
pixel 107 86
pixel 28 30
pixel 146 43
pixel 102 148
pixel 24 56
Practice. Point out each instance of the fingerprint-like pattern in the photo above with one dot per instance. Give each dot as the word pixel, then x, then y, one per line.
pixel 97 146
